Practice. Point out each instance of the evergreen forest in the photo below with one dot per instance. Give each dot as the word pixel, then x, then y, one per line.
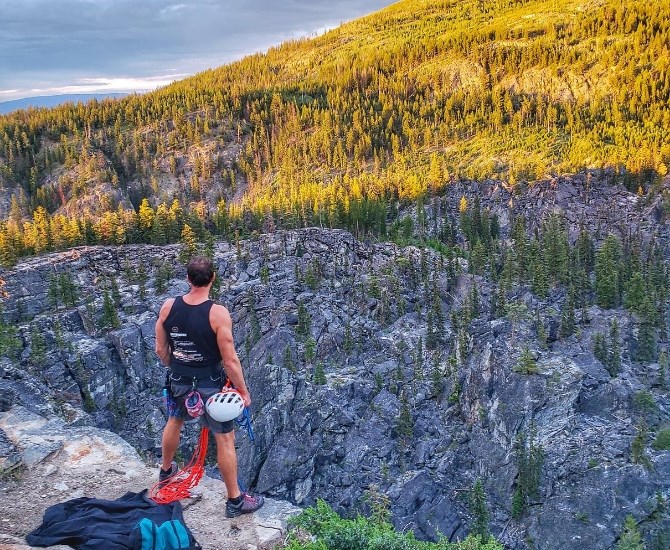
pixel 345 129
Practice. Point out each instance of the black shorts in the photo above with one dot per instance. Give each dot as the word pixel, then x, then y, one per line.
pixel 180 386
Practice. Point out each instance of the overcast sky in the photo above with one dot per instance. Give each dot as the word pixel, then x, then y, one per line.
pixel 50 47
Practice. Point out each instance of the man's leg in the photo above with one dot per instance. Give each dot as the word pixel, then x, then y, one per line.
pixel 226 458
pixel 171 435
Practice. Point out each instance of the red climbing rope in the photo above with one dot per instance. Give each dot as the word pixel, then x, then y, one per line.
pixel 179 485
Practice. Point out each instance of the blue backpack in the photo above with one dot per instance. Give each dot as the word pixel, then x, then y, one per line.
pixel 170 535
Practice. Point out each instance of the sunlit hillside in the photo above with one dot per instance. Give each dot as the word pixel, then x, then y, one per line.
pixel 335 130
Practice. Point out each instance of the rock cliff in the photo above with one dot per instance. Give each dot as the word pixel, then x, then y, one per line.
pixel 332 334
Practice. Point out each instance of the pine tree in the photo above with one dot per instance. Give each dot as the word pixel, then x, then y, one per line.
pixel 304 322
pixel 508 275
pixel 600 350
pixel 145 220
pixel 58 335
pixel 630 538
pixel 585 250
pixel 68 289
pixel 499 303
pixel 110 318
pixel 541 331
pixel 480 512
pixel 38 348
pixel 478 259
pixel 638 446
pixel 288 359
pixel 527 363
pixel 646 342
pixel 114 287
pixel 319 374
pixel 473 301
pixel 568 321
pixel 161 278
pixel 348 343
pixel 189 244
pixel 518 504
pixel 436 377
pixel 265 273
pixel 435 172
pixel 158 229
pixel 539 281
pixel 10 343
pixel 635 294
pixel 530 458
pixel 210 244
pixel 555 249
pixel 607 272
pixel 8 251
pixel 310 349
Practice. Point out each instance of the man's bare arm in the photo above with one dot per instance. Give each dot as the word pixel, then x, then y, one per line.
pixel 222 324
pixel 162 344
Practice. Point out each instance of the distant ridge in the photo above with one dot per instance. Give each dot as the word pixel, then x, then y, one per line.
pixel 51 101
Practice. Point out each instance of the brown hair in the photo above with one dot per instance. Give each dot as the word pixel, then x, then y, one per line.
pixel 200 271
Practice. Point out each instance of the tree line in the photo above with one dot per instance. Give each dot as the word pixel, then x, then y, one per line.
pixel 337 135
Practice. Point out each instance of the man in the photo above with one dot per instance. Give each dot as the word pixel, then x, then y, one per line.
pixel 193 336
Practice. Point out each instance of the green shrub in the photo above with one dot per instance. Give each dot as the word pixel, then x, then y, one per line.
pixel 331 532
pixel 662 441
pixel 644 402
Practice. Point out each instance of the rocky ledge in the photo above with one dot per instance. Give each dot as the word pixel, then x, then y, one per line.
pixel 46 461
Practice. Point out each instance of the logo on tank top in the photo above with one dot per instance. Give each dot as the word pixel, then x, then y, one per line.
pixel 174 332
pixel 184 349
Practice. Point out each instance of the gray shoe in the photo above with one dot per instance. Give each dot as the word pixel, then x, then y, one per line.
pixel 163 475
pixel 247 505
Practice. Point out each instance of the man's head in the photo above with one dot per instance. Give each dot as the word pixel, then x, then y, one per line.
pixel 200 271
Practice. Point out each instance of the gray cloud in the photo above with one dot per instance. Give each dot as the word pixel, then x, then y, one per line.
pixel 50 44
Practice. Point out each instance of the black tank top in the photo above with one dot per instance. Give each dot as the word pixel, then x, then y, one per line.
pixel 192 340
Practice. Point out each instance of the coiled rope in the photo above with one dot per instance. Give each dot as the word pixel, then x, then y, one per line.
pixel 179 485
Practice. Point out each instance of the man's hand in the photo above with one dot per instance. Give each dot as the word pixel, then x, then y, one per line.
pixel 246 398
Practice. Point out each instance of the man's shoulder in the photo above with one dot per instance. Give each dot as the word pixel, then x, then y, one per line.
pixel 167 305
pixel 219 309
pixel 219 314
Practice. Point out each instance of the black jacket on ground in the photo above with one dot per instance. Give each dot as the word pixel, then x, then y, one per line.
pixel 95 524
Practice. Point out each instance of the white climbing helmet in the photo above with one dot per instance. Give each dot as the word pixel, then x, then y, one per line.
pixel 225 405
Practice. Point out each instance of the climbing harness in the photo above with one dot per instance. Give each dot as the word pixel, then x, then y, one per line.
pixel 179 485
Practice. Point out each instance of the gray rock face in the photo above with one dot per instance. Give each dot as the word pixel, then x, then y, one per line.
pixel 347 399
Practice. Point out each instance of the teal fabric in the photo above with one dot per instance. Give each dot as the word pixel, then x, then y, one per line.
pixel 171 535
pixel 146 527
